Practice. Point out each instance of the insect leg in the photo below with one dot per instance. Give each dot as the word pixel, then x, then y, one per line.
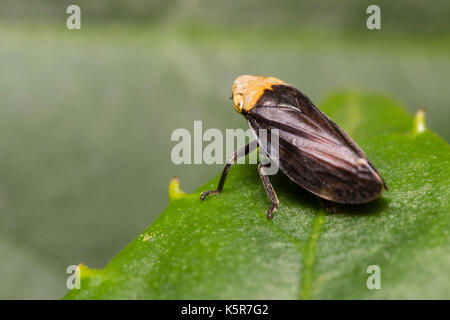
pixel 270 192
pixel 328 205
pixel 242 152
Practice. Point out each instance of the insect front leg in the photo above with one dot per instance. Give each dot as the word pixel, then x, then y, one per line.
pixel 269 190
pixel 242 152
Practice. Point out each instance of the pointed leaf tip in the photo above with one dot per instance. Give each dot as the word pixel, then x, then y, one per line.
pixel 419 124
pixel 87 272
pixel 175 191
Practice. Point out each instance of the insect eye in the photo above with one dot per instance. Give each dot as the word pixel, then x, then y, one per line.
pixel 238 102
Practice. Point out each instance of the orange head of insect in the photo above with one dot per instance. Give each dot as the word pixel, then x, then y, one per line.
pixel 248 89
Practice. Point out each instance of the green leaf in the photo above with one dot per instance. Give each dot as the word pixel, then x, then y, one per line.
pixel 225 248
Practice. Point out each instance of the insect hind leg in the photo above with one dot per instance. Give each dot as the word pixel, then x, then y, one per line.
pixel 328 205
pixel 269 190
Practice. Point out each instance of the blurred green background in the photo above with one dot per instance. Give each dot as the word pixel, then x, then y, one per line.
pixel 86 115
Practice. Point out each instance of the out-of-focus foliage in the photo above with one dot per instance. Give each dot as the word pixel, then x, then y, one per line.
pixel 411 16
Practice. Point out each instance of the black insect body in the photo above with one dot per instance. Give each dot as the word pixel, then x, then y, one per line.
pixel 313 151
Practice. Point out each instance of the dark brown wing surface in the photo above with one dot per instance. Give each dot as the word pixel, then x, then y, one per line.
pixel 314 151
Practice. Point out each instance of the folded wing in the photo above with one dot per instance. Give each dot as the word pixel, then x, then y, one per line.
pixel 314 151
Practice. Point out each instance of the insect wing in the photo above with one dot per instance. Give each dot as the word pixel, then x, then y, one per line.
pixel 314 151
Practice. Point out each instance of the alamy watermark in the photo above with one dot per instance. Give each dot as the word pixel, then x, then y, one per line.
pixel 374 280
pixel 373 22
pixel 73 21
pixel 74 279
pixel 190 148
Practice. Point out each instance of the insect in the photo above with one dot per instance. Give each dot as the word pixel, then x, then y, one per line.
pixel 313 151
